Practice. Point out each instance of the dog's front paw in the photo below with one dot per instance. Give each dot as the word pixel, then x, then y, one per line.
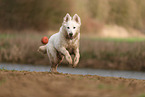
pixel 75 63
pixel 69 59
pixel 76 60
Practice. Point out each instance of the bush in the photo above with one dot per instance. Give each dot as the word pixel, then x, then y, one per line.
pixel 33 14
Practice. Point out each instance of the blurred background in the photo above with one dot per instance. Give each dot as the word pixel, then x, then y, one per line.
pixel 112 31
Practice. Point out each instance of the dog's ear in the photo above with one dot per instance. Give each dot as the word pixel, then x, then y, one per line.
pixel 77 19
pixel 67 18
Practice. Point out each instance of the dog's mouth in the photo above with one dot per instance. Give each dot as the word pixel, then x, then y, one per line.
pixel 70 37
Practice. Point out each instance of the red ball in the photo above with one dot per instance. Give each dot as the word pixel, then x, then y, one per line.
pixel 44 40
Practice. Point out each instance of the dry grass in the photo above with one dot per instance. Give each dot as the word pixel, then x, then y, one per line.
pixel 113 54
pixel 21 48
pixel 122 54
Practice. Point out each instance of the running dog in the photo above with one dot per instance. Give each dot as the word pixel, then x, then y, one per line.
pixel 64 43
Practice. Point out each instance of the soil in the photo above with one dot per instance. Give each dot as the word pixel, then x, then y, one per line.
pixel 45 84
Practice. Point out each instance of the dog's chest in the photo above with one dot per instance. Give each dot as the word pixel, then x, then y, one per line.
pixel 70 50
pixel 71 45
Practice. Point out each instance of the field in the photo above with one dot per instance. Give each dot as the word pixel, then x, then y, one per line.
pixel 112 37
pixel 45 84
pixel 101 53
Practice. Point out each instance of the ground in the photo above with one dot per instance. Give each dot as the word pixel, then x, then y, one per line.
pixel 45 84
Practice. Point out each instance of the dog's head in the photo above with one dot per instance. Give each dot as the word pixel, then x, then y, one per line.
pixel 71 25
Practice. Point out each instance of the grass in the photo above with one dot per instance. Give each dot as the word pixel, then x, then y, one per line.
pixel 102 53
pixel 14 70
pixel 20 35
pixel 119 39
pixel 3 69
pixel 38 36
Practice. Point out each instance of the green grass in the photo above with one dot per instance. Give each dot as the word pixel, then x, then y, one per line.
pixel 3 69
pixel 21 35
pixel 119 39
pixel 14 70
pixel 3 36
pixel 38 36
pixel 10 36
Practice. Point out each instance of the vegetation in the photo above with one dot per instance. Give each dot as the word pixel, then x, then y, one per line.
pixel 32 14
pixel 113 54
pixel 48 14
pixel 25 17
pixel 103 53
pixel 127 13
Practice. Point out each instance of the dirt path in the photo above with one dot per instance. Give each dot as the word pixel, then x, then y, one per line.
pixel 45 84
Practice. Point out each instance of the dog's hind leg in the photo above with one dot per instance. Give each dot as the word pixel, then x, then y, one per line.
pixel 52 54
pixel 60 57
pixel 54 68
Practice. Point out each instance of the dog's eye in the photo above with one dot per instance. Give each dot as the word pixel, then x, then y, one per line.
pixel 67 27
pixel 74 27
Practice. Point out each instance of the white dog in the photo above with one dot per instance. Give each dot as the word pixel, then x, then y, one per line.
pixel 64 43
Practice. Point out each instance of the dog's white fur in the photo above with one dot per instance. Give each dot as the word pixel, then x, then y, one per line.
pixel 64 43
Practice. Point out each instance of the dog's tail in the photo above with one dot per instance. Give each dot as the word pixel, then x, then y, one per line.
pixel 42 49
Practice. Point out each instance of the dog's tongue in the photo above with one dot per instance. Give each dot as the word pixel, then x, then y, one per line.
pixel 71 37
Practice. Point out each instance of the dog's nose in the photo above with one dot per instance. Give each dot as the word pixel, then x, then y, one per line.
pixel 71 34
